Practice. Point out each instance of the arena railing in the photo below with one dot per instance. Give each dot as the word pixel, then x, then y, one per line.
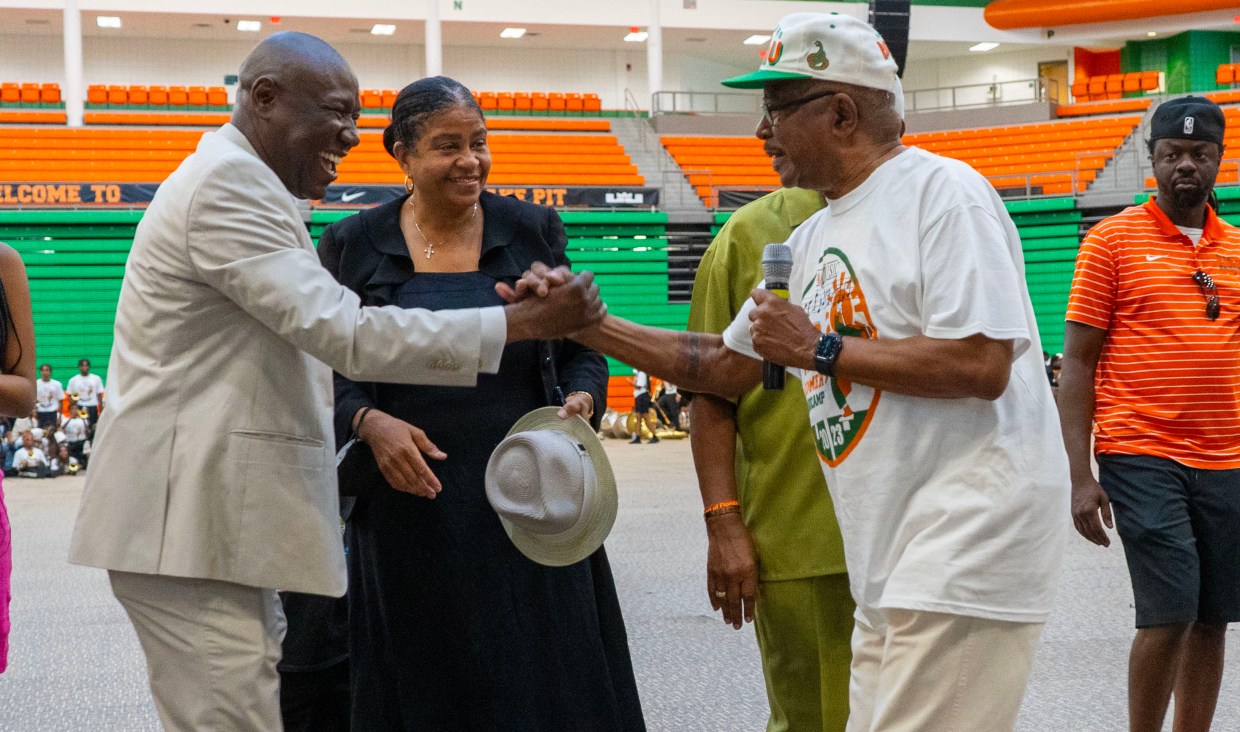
pixel 971 96
pixel 685 102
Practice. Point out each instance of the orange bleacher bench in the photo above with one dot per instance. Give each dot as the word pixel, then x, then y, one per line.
pixel 1227 74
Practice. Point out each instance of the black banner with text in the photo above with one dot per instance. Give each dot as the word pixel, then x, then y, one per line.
pixel 38 195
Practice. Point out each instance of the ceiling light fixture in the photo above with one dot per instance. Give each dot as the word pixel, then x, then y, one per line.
pixel 756 40
pixel 983 47
pixel 108 21
pixel 250 26
pixel 383 29
pixel 512 33
pixel 1151 34
pixel 636 36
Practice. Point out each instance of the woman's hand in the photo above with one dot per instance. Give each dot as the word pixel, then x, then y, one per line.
pixel 579 403
pixel 398 447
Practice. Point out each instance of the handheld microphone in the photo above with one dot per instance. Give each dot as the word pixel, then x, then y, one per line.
pixel 776 269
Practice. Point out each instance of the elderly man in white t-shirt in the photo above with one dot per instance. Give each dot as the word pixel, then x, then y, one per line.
pixel 911 328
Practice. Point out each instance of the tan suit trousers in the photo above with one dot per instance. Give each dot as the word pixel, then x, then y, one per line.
pixel 211 650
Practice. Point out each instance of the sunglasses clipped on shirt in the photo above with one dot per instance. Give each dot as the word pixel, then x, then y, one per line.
pixel 1206 283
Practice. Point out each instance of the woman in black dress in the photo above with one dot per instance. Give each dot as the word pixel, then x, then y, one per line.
pixel 452 628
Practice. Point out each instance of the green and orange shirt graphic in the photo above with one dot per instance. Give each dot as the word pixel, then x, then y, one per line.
pixel 840 411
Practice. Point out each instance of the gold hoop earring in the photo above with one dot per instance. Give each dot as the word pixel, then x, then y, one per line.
pixel 408 184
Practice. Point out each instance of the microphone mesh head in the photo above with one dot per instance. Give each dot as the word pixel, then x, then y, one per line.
pixel 777 262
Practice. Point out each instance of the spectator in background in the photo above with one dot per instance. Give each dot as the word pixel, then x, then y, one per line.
pixel 63 463
pixel 1152 377
pixel 669 404
pixel 75 434
pixel 31 461
pixel 29 422
pixel 88 389
pixel 643 408
pixel 1053 369
pixel 48 397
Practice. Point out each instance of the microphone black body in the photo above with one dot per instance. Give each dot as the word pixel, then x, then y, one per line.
pixel 776 269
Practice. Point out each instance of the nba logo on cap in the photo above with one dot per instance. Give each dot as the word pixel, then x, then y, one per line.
pixel 1188 125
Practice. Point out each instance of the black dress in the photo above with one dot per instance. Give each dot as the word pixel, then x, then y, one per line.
pixel 451 627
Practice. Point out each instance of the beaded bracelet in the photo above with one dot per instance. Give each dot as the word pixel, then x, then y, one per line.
pixel 357 429
pixel 722 507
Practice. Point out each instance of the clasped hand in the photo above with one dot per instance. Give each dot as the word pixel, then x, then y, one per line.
pixel 548 303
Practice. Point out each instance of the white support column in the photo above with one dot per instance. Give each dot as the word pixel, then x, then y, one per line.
pixel 654 52
pixel 74 91
pixel 434 39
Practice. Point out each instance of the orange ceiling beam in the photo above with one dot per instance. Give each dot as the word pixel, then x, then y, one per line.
pixel 1015 14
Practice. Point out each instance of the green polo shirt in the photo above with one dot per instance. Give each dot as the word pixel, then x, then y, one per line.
pixel 783 496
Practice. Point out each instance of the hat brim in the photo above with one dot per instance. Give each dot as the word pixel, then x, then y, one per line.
pixel 598 524
pixel 758 78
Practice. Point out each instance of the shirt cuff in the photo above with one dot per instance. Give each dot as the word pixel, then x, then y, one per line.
pixel 494 330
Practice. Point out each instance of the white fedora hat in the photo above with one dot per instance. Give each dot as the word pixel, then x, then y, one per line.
pixel 552 486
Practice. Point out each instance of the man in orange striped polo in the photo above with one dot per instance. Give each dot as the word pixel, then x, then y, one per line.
pixel 1152 361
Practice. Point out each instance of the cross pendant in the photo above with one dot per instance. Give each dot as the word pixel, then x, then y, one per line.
pixel 430 249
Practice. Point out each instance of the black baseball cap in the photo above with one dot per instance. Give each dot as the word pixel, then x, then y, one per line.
pixel 1188 118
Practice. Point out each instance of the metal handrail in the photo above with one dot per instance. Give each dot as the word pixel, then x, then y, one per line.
pixel 971 96
pixel 685 102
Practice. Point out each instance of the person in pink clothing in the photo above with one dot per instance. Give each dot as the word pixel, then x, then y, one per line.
pixel 17 396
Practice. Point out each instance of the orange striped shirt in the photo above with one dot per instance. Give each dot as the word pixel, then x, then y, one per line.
pixel 1168 378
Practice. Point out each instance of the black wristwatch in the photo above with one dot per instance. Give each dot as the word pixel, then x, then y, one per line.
pixel 827 353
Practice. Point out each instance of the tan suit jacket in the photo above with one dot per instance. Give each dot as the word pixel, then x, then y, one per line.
pixel 214 458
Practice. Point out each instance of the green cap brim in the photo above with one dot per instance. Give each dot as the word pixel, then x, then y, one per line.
pixel 756 79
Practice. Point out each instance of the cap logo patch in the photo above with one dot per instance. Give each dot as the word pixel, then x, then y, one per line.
pixel 1188 125
pixel 774 53
pixel 818 59
pixel 882 46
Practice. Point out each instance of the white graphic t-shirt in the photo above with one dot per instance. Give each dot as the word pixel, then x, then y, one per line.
pixel 48 395
pixel 88 388
pixel 946 505
pixel 641 383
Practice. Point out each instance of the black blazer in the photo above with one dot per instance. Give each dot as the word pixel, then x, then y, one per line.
pixel 367 254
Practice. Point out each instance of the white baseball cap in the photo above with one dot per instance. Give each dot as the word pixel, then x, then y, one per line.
pixel 828 46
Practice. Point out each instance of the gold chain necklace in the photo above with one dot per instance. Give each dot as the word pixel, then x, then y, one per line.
pixel 430 247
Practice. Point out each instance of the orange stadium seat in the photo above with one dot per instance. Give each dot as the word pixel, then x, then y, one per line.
pixel 592 103
pixel 157 96
pixel 97 94
pixel 197 96
pixel 10 93
pixel 521 101
pixel 538 102
pixel 573 103
pixel 30 93
pixel 138 95
pixel 1226 74
pixel 177 96
pixel 1149 80
pixel 487 101
pixel 1097 87
pixel 117 95
pixel 49 93
pixel 372 99
pixel 217 96
pixel 389 98
pixel 504 102
pixel 1132 82
pixel 555 102
pixel 1080 90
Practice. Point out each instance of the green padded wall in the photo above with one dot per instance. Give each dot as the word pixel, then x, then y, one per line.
pixel 75 261
pixel 1049 234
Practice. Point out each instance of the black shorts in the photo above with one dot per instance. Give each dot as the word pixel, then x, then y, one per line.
pixel 1180 527
pixel 48 420
pixel 641 403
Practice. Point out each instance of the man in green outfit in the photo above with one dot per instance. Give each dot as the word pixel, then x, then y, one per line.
pixel 779 560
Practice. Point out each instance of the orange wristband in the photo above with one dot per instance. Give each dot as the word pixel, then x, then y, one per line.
pixel 722 507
